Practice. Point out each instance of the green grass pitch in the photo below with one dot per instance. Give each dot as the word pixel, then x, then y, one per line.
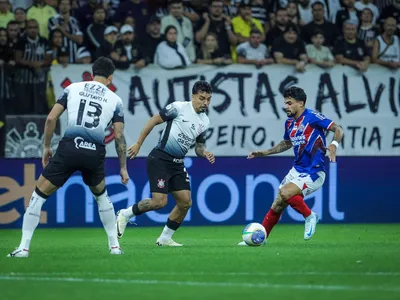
pixel 340 262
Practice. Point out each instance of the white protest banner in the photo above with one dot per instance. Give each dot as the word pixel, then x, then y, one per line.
pixel 246 110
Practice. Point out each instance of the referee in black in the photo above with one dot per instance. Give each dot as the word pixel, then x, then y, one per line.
pixel 33 58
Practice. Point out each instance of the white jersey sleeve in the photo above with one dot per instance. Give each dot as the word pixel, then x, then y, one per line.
pixel 91 108
pixel 184 128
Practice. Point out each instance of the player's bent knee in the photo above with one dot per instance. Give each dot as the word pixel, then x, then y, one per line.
pixel 284 194
pixel 45 186
pixel 185 205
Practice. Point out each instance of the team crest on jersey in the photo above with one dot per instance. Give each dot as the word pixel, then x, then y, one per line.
pixel 81 143
pixel 161 183
pixel 301 127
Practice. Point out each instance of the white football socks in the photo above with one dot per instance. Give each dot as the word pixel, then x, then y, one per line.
pixel 167 233
pixel 127 213
pixel 31 220
pixel 107 217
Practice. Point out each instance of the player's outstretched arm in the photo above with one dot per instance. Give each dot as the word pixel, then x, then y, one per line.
pixel 49 127
pixel 154 121
pixel 336 140
pixel 201 151
pixel 281 147
pixel 120 147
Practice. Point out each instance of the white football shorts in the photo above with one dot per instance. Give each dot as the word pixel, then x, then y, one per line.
pixel 304 181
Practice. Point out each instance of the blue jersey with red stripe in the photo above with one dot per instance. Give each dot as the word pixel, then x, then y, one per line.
pixel 307 134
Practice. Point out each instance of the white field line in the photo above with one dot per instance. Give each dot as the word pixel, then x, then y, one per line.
pixel 206 284
pixel 184 273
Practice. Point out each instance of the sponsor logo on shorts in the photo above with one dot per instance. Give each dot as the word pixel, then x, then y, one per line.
pixel 161 183
pixel 81 143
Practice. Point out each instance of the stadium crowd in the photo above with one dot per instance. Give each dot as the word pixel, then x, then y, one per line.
pixel 175 33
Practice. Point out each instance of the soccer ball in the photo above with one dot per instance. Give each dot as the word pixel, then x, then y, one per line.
pixel 254 234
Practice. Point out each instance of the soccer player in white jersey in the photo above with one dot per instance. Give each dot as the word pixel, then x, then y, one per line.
pixel 187 124
pixel 305 131
pixel 91 106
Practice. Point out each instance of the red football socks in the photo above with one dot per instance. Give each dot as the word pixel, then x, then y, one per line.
pixel 270 220
pixel 298 204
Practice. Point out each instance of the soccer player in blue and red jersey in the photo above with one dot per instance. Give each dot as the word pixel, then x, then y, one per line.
pixel 304 131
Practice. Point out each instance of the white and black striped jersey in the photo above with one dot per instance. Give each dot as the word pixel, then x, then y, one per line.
pixel 184 128
pixel 73 28
pixel 389 52
pixel 32 50
pixel 91 108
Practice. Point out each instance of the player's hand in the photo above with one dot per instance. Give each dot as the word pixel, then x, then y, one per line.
pixel 133 150
pixel 332 153
pixel 124 176
pixel 255 154
pixel 209 156
pixel 47 154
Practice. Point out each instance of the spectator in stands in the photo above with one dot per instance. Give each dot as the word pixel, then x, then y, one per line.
pixel 349 50
pixel 110 38
pixel 160 9
pixel 317 53
pixel 349 12
pixel 200 7
pixel 330 31
pixel 33 57
pixel 136 9
pixel 230 10
pixel 290 50
pixel 13 32
pixel 386 50
pixel 244 23
pixel 6 50
pixel 254 52
pixel 305 10
pixel 182 24
pixel 69 26
pixel 56 42
pixel 20 17
pixel 42 13
pixel 94 35
pixel 392 11
pixel 149 42
pixel 7 64
pixel 362 4
pixel 259 12
pixel 5 14
pixel 126 52
pixel 367 32
pixel 170 54
pixel 331 9
pixel 209 52
pixel 85 14
pixel 83 56
pixel 293 13
pixel 217 23
pixel 281 22
pixel 129 21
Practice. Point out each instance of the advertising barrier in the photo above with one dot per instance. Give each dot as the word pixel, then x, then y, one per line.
pixel 233 191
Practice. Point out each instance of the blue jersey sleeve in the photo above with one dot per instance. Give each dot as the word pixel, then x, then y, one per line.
pixel 319 120
pixel 118 113
pixel 169 112
pixel 286 134
pixel 63 99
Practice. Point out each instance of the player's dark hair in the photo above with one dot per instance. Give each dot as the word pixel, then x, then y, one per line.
pixel 103 67
pixel 201 86
pixel 296 93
